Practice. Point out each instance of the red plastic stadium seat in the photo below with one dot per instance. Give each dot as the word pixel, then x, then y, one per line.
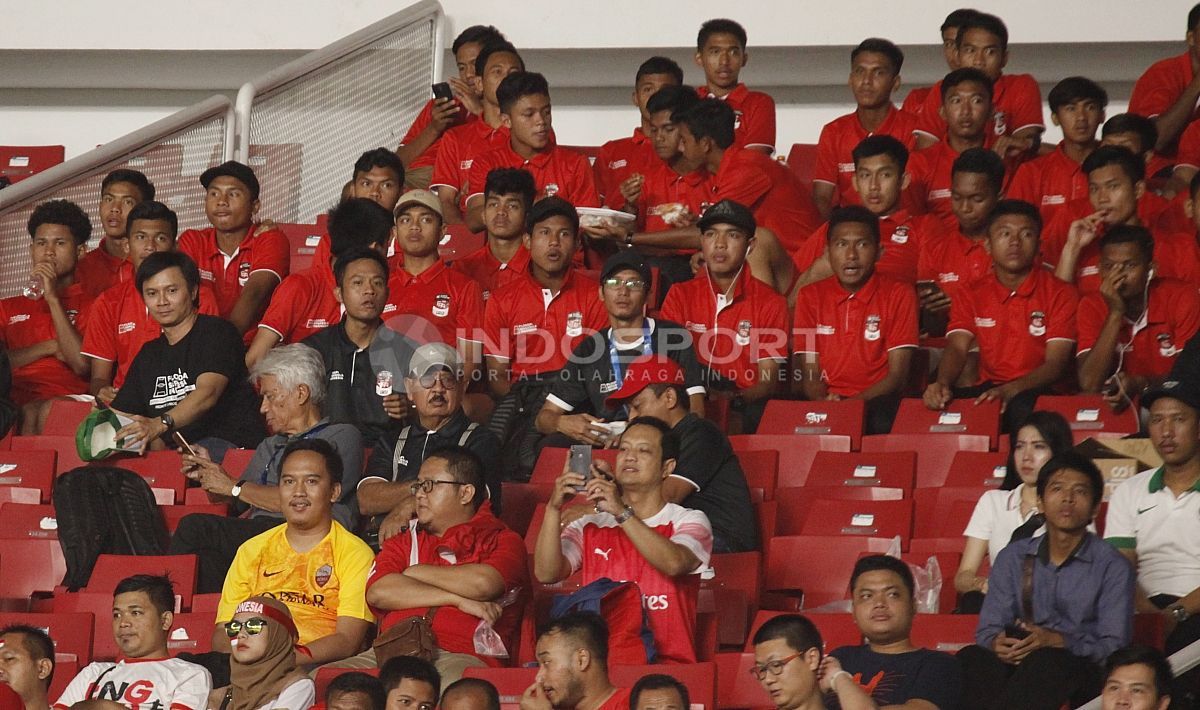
pixel 817 566
pixel 72 633
pixel 18 162
pixel 192 633
pixel 795 504
pixel 944 512
pixel 762 472
pixel 867 518
pixel 981 469
pixel 172 514
pixel 550 462
pixel 802 158
pixel 934 452
pixel 796 451
pixel 459 241
pixel 736 584
pixel 1090 417
pixel 736 688
pixel 20 521
pixel 160 469
pixel 67 456
pixel 591 152
pixel 520 502
pixel 29 469
pixel 325 676
pixel 510 682
pixel 65 670
pixel 206 603
pixel 111 569
pixel 944 632
pixel 894 469
pixel 783 416
pixel 837 629
pixel 65 417
pixel 961 416
pixel 699 678
pixel 303 240
pixel 236 461
pixel 30 565
pixel 99 606
pixel 20 494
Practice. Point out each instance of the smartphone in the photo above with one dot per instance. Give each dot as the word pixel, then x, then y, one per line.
pixel 184 447
pixel 441 90
pixel 926 286
pixel 1015 632
pixel 1111 387
pixel 580 461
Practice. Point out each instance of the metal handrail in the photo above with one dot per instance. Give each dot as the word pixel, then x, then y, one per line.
pixel 118 151
pixel 320 58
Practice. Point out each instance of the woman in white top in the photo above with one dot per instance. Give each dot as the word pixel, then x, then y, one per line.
pixel 998 514
pixel 262 668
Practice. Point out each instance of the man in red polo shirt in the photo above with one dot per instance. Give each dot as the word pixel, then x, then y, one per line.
pixel 1169 94
pixel 507 197
pixel 239 258
pixel 119 323
pixel 856 331
pixel 428 301
pixel 874 76
pixel 459 146
pixel 106 265
pixel 914 101
pixel 533 324
pixel 1052 180
pixel 738 323
pixel 721 53
pixel 1016 122
pixel 305 302
pixel 621 159
pixel 880 178
pixel 524 99
pixel 1132 331
pixel 1116 188
pixel 966 108
pixel 39 331
pixel 1019 317
pixel 379 177
pixel 418 148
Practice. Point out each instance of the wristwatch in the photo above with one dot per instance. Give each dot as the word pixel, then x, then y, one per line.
pixel 624 515
pixel 629 239
pixel 168 421
pixel 1181 615
pixel 236 491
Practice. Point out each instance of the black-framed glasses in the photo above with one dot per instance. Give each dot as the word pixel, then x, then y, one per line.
pixel 426 485
pixel 760 670
pixel 632 284
pixel 253 627
pixel 429 379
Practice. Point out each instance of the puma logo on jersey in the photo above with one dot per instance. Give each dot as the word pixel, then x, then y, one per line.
pixel 603 553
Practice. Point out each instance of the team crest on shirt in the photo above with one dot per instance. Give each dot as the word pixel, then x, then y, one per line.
pixel 123 328
pixel 743 333
pixel 617 164
pixel 465 164
pixel 206 275
pixel 872 330
pixel 607 387
pixel 1037 324
pixel 900 236
pixel 18 318
pixel 575 323
pixel 441 305
pixel 1166 346
pixel 947 277
pixel 737 120
pixel 324 572
pixel 550 190
pixel 72 315
pixel 999 123
pixel 243 273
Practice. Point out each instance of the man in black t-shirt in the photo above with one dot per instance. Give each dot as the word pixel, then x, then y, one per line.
pixel 707 476
pixel 888 667
pixel 192 378
pixel 595 370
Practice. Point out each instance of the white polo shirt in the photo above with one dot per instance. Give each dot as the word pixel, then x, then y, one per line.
pixel 1145 516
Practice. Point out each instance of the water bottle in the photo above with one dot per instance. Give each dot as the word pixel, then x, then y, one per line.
pixel 33 289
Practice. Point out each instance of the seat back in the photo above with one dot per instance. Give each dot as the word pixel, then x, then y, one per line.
pixel 160 469
pixel 192 633
pixel 551 459
pixel 19 521
pixel 979 469
pixel 173 514
pixel 236 461
pixel 762 471
pixel 845 417
pixel 961 416
pixel 943 512
pixel 99 605
pixel 795 451
pixel 65 417
pixel 66 455
pixel 801 160
pixel 944 632
pixel 18 162
pixel 824 575
pixel 934 451
pixel 111 569
pixel 888 469
pixel 30 565
pixel 865 518
pixel 795 504
pixel 303 240
pixel 459 241
pixel 72 632
pixel 1090 417
pixel 29 469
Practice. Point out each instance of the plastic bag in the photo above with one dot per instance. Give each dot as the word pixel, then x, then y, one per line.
pixel 927 580
pixel 487 641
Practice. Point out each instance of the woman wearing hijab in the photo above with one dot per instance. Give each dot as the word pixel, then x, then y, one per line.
pixel 263 671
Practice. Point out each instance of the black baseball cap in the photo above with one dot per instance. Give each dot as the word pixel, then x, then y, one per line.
pixel 729 212
pixel 552 206
pixel 623 260
pixel 238 171
pixel 1185 391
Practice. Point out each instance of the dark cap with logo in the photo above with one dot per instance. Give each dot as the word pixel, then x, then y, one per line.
pixel 623 260
pixel 1185 391
pixel 729 212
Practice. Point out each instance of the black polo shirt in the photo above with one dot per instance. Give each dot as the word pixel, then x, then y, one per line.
pixel 707 461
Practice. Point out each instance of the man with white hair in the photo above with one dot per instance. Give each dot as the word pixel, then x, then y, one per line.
pixel 291 380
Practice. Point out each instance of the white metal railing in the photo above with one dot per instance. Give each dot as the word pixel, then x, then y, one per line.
pixel 1182 661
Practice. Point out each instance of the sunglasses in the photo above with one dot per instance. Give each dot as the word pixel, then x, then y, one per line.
pixel 253 627
pixel 631 284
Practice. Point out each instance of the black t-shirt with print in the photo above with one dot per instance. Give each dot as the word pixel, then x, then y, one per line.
pixel 896 678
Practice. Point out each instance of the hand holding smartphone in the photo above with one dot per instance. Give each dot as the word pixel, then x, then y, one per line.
pixel 580 461
pixel 442 90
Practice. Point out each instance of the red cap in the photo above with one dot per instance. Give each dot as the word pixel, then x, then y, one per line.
pixel 646 370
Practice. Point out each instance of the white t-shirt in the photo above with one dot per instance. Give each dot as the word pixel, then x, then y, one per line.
pixel 141 684
pixel 997 515
pixel 300 695
pixel 1144 515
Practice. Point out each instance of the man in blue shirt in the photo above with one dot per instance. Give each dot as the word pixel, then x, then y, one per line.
pixel 1057 605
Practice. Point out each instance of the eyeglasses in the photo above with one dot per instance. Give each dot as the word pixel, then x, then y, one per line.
pixel 426 485
pixel 760 670
pixel 253 627
pixel 448 379
pixel 633 284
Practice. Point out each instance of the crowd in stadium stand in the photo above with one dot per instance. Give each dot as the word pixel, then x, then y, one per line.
pixel 624 317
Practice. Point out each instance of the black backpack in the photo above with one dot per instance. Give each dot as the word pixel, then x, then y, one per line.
pixel 105 510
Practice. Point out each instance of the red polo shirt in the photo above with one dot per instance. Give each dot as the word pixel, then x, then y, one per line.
pixel 303 304
pixel 1188 154
pixel 953 260
pixel 25 322
pixel 774 193
pixel 1012 328
pixel 1049 181
pixel 618 159
pixel 556 171
pixel 440 303
pixel 423 119
pixel 753 116
pixel 119 324
pixel 835 160
pixel 852 333
pixel 266 250
pixel 901 235
pixel 488 272
pixel 458 148
pixel 1156 90
pixel 914 101
pixel 1151 348
pixel 930 172
pixel 731 332
pixel 1016 98
pixel 535 330
pixel 98 270
pixel 665 186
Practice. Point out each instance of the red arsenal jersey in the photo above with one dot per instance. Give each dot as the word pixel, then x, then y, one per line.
pixel 458 148
pixel 303 304
pixel 264 250
pixel 119 324
pixel 423 119
pixel 556 171
pixel 901 236
pixel 618 159
pixel 1012 328
pixel 774 193
pixel 1016 98
pixel 664 186
pixel 835 147
pixel 599 547
pixel 1156 90
pixel 753 116
pixel 488 272
pixel 439 303
pixel 853 333
pixel 1049 181
pixel 731 332
pixel 1151 346
pixel 953 260
pixel 536 330
pixel 98 270
pixel 25 322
